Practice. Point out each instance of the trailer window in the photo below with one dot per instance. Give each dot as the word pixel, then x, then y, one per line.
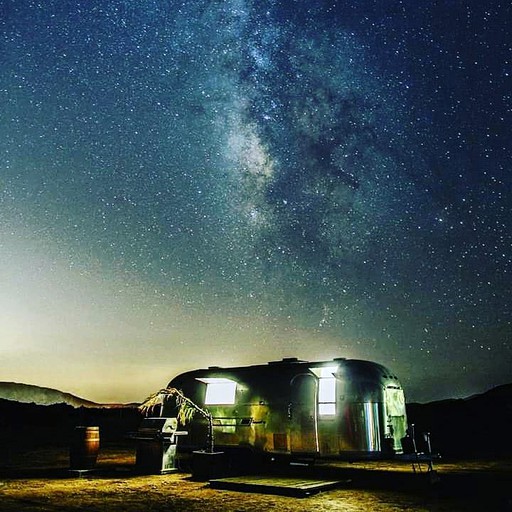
pixel 326 390
pixel 219 391
pixel 395 401
pixel 327 396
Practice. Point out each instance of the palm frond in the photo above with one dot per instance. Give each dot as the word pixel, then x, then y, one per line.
pixel 186 409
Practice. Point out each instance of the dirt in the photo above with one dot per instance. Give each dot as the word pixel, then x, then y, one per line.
pixel 40 480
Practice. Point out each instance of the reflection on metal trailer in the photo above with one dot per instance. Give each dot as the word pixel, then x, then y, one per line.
pixel 349 409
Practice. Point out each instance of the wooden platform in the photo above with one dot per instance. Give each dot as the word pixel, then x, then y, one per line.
pixel 285 486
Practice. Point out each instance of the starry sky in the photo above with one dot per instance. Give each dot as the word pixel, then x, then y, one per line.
pixel 195 183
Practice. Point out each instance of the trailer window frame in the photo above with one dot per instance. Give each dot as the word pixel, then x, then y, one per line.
pixel 219 391
pixel 326 399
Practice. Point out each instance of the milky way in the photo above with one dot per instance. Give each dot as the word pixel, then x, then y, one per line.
pixel 230 182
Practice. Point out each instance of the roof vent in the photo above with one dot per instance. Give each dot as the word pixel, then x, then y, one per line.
pixel 286 360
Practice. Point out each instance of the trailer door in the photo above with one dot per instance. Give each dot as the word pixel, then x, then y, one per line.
pixel 303 415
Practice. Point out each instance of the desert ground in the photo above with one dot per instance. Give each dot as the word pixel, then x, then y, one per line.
pixel 40 480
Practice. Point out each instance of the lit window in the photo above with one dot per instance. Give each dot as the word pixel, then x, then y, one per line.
pixel 326 390
pixel 219 391
pixel 326 409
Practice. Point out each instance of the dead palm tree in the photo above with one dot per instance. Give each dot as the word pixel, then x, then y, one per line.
pixel 186 410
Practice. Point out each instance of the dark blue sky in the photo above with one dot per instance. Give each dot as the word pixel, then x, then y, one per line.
pixel 223 183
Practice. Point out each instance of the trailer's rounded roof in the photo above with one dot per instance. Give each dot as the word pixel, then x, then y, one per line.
pixel 288 367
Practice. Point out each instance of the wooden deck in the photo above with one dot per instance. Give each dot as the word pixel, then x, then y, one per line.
pixel 285 486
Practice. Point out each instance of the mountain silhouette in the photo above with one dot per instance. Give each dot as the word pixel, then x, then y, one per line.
pixel 27 393
pixel 469 427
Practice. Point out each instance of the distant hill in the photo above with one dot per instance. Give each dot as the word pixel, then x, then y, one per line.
pixel 473 426
pixel 27 393
pixel 503 392
pixel 25 426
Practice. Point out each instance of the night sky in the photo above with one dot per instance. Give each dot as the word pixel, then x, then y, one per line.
pixel 196 183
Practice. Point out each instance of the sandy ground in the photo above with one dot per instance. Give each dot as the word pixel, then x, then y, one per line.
pixel 40 481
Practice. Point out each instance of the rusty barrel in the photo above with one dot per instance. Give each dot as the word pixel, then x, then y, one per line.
pixel 85 445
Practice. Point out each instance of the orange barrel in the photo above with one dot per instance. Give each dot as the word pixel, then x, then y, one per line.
pixel 85 445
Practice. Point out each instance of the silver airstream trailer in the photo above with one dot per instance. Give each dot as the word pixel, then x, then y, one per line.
pixel 293 409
